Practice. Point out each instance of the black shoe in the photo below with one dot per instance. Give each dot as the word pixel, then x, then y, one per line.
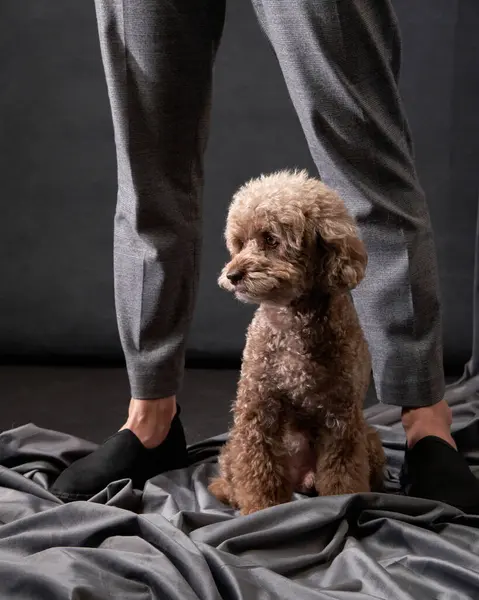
pixel 122 456
pixel 434 470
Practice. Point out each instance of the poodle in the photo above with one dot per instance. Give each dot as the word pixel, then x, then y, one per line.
pixel 298 417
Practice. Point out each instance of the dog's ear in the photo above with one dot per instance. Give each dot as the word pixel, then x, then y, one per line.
pixel 342 256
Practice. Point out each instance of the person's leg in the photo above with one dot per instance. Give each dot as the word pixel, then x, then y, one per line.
pixel 158 57
pixel 340 61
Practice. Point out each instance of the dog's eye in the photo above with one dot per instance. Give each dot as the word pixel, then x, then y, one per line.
pixel 269 240
pixel 238 244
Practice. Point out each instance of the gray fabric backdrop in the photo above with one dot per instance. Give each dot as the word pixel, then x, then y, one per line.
pixel 57 169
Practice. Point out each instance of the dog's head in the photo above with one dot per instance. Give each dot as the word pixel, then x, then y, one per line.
pixel 288 235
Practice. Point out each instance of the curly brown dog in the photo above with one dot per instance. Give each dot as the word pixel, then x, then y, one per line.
pixel 298 416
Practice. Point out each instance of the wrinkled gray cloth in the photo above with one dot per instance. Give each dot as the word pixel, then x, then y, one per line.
pixel 176 541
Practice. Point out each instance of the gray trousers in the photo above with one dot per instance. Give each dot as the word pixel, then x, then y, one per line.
pixel 340 60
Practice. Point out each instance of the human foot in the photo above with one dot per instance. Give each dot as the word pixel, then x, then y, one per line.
pixel 126 455
pixel 433 469
pixel 427 421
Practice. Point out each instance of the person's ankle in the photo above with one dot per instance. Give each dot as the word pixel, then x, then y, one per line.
pixel 427 421
pixel 150 420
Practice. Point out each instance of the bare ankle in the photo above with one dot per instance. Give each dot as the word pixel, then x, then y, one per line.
pixel 426 421
pixel 139 407
pixel 150 420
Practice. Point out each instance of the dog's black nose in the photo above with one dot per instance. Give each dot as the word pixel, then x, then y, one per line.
pixel 235 276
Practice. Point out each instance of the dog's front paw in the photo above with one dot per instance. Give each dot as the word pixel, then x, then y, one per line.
pixel 339 484
pixel 250 508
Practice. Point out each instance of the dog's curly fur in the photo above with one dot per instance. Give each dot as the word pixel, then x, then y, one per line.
pixel 298 416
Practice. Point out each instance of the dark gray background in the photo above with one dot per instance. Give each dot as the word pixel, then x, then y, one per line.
pixel 57 169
